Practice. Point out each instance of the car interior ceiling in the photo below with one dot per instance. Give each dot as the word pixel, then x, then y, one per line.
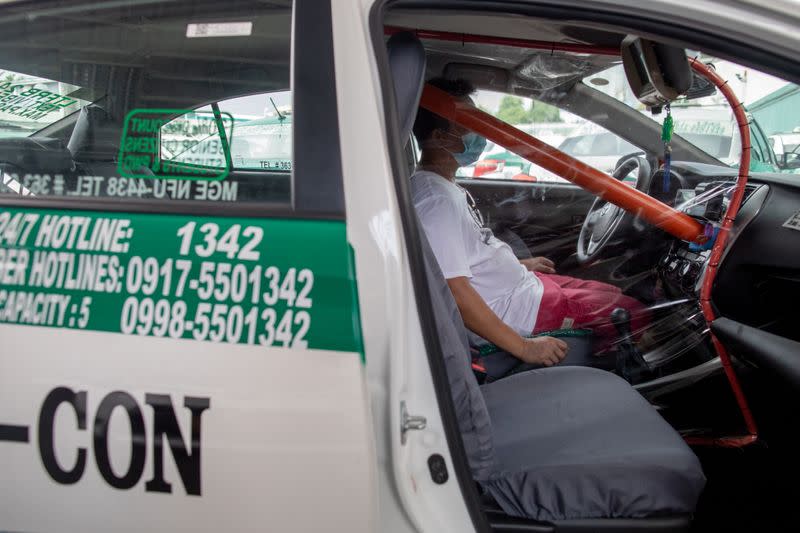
pixel 737 492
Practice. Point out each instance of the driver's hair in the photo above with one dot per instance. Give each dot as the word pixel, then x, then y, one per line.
pixel 427 121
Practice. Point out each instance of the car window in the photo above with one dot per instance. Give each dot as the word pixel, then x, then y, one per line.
pixel 262 131
pixel 706 120
pixel 176 106
pixel 194 139
pixel 574 135
pixel 258 131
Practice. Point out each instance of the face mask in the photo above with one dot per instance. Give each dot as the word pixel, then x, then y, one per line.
pixel 474 145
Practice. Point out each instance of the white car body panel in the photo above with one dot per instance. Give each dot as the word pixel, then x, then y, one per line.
pixel 344 468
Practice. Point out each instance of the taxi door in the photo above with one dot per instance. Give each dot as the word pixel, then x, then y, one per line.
pixel 180 343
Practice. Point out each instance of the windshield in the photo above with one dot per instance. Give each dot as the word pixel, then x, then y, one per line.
pixel 601 134
pixel 599 144
pixel 29 103
pixel 707 122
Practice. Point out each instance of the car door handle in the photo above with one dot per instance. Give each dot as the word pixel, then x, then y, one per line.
pixel 409 422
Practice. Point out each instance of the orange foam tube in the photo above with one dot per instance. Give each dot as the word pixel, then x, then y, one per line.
pixel 632 200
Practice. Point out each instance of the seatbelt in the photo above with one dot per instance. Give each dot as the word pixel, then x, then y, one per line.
pixel 486 349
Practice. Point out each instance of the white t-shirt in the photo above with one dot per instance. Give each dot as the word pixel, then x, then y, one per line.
pixel 463 247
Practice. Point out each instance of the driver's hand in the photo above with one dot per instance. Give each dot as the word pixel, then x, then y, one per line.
pixel 539 264
pixel 547 351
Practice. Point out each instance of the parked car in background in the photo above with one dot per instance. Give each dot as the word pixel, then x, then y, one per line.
pixel 787 149
pixel 712 129
pixel 497 163
pixel 263 144
pixel 601 150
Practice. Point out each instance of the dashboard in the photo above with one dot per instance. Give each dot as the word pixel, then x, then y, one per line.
pixel 705 198
pixel 681 270
pixel 684 264
pixel 758 282
pixel 709 200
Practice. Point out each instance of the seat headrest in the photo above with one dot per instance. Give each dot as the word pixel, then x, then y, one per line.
pixel 407 63
pixel 95 137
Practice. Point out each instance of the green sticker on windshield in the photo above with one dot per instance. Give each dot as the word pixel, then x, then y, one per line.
pixel 176 143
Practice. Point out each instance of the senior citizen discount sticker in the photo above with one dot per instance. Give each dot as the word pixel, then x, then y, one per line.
pixel 284 283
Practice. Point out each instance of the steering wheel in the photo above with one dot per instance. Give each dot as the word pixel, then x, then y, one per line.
pixel 604 218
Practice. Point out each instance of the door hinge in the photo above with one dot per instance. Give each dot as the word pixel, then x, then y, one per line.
pixel 409 422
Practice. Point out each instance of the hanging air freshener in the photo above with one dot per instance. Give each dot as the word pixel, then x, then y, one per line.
pixel 666 136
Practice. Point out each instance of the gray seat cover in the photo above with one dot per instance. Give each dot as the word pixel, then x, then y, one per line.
pixel 407 63
pixel 563 442
pixel 95 137
pixel 577 442
pixel 470 408
pixel 95 144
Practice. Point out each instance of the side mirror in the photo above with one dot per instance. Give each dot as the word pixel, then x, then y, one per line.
pixel 791 161
pixel 657 73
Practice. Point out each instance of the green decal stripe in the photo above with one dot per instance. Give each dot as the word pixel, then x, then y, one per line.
pixel 285 283
pixel 356 308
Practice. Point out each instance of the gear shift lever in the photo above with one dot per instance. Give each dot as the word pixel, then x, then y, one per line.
pixel 630 362
pixel 621 318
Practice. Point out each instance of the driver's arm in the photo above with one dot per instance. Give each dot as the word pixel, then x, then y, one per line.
pixel 480 318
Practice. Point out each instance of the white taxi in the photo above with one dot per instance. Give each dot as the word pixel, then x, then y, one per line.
pixel 219 310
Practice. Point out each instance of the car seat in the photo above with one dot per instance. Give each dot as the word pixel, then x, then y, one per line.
pixel 556 449
pixel 95 143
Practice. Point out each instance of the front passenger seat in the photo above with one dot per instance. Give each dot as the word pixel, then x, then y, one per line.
pixel 95 144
